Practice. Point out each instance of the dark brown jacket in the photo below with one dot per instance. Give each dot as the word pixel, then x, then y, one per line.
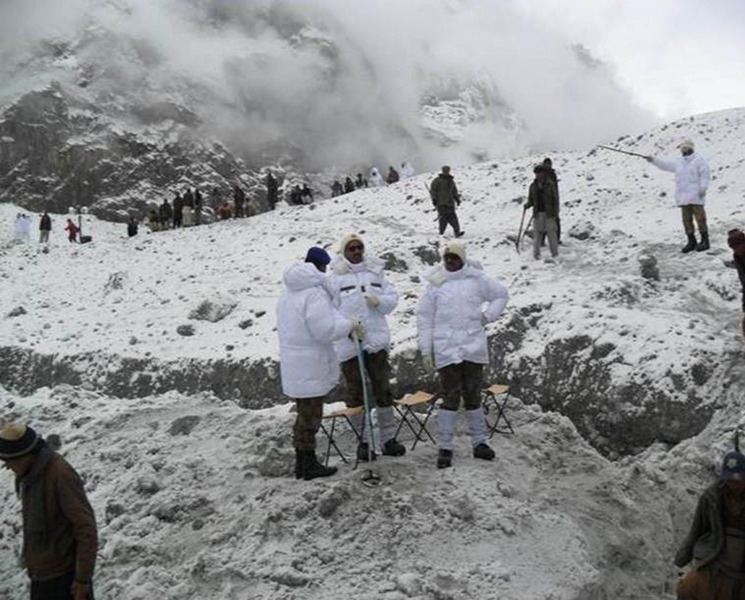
pixel 444 192
pixel 705 539
pixel 548 194
pixel 59 527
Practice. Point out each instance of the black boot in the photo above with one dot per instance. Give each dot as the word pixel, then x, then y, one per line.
pixel 393 448
pixel 362 452
pixel 484 452
pixel 300 460
pixel 704 243
pixel 314 469
pixel 444 459
pixel 691 245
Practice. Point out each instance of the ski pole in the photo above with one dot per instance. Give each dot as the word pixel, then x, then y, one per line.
pixel 520 230
pixel 622 151
pixel 526 229
pixel 370 477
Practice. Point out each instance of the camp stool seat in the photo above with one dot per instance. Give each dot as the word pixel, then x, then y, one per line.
pixel 495 399
pixel 342 413
pixel 406 409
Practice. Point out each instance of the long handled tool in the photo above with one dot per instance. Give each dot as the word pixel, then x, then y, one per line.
pixel 622 151
pixel 520 231
pixel 370 477
pixel 520 239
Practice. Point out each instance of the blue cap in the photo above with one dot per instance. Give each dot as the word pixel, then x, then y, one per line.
pixel 317 256
pixel 733 467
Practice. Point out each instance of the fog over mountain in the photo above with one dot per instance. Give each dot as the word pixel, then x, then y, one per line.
pixel 322 83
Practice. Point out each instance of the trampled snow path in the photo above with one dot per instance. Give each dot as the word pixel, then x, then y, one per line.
pixel 549 519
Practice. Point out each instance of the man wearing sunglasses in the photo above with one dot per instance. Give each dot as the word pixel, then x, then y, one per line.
pixel 456 306
pixel 364 295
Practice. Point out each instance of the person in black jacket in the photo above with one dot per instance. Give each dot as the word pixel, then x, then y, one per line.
pixel 551 174
pixel 178 211
pixel 132 226
pixel 348 185
pixel 715 545
pixel 736 241
pixel 544 200
pixel 272 190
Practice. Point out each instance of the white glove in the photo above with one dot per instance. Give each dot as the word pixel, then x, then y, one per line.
pixel 702 194
pixel 372 301
pixel 484 319
pixel 358 331
pixel 428 363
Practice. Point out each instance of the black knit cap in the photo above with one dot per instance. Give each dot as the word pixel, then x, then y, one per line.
pixel 17 440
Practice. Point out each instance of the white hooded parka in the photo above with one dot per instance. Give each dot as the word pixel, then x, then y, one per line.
pixel 449 314
pixel 350 284
pixel 307 325
pixel 692 176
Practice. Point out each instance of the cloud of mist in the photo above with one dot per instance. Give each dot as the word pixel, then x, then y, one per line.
pixel 340 83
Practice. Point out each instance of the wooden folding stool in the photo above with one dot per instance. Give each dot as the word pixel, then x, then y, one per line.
pixel 344 413
pixel 405 409
pixel 492 396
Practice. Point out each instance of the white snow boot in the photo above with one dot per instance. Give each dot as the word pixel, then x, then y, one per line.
pixel 477 428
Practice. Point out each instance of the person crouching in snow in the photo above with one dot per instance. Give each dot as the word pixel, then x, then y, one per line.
pixel 307 325
pixel 715 544
pixel 362 293
pixel 736 241
pixel 692 176
pixel 450 321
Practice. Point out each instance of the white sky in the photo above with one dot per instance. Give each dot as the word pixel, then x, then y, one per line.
pixel 677 57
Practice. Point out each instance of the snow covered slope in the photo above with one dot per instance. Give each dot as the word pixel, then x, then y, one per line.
pixel 637 365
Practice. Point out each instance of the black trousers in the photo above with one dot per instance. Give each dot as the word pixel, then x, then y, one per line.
pixel 447 217
pixel 55 589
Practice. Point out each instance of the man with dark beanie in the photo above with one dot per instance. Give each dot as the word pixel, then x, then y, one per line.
pixel 736 241
pixel 715 545
pixel 307 325
pixel 60 539
pixel 445 197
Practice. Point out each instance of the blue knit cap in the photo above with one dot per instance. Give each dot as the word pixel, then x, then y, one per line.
pixel 733 466
pixel 317 256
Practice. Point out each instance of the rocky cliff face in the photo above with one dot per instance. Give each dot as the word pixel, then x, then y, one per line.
pixel 58 151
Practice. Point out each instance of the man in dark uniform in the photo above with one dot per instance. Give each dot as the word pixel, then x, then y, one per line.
pixel 445 197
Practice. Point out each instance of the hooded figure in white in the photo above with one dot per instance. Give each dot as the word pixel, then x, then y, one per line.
pixel 458 302
pixel 308 325
pixel 376 179
pixel 362 293
pixel 406 171
pixel 692 177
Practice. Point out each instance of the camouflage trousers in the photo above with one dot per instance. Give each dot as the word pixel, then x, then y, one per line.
pixel 378 370
pixel 307 422
pixel 463 380
pixel 689 211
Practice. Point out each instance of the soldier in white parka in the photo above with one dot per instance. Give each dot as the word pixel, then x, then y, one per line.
pixel 458 302
pixel 363 294
pixel 692 176
pixel 308 325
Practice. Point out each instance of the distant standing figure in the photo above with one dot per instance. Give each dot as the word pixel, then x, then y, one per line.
pixel 360 182
pixel 551 174
pixel 45 226
pixel 225 211
pixel 544 201
pixel 306 195
pixel 178 211
pixel 376 179
pixel 198 203
pixel 239 197
pixel 132 226
pixel 60 537
pixel 336 189
pixel 295 193
pixel 215 199
pixel 72 231
pixel 692 176
pixel 188 198
pixel 165 214
pixel 188 216
pixel 445 198
pixel 272 190
pixel 348 185
pixel 392 176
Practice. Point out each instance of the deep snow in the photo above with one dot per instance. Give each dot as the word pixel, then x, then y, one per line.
pixel 213 514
